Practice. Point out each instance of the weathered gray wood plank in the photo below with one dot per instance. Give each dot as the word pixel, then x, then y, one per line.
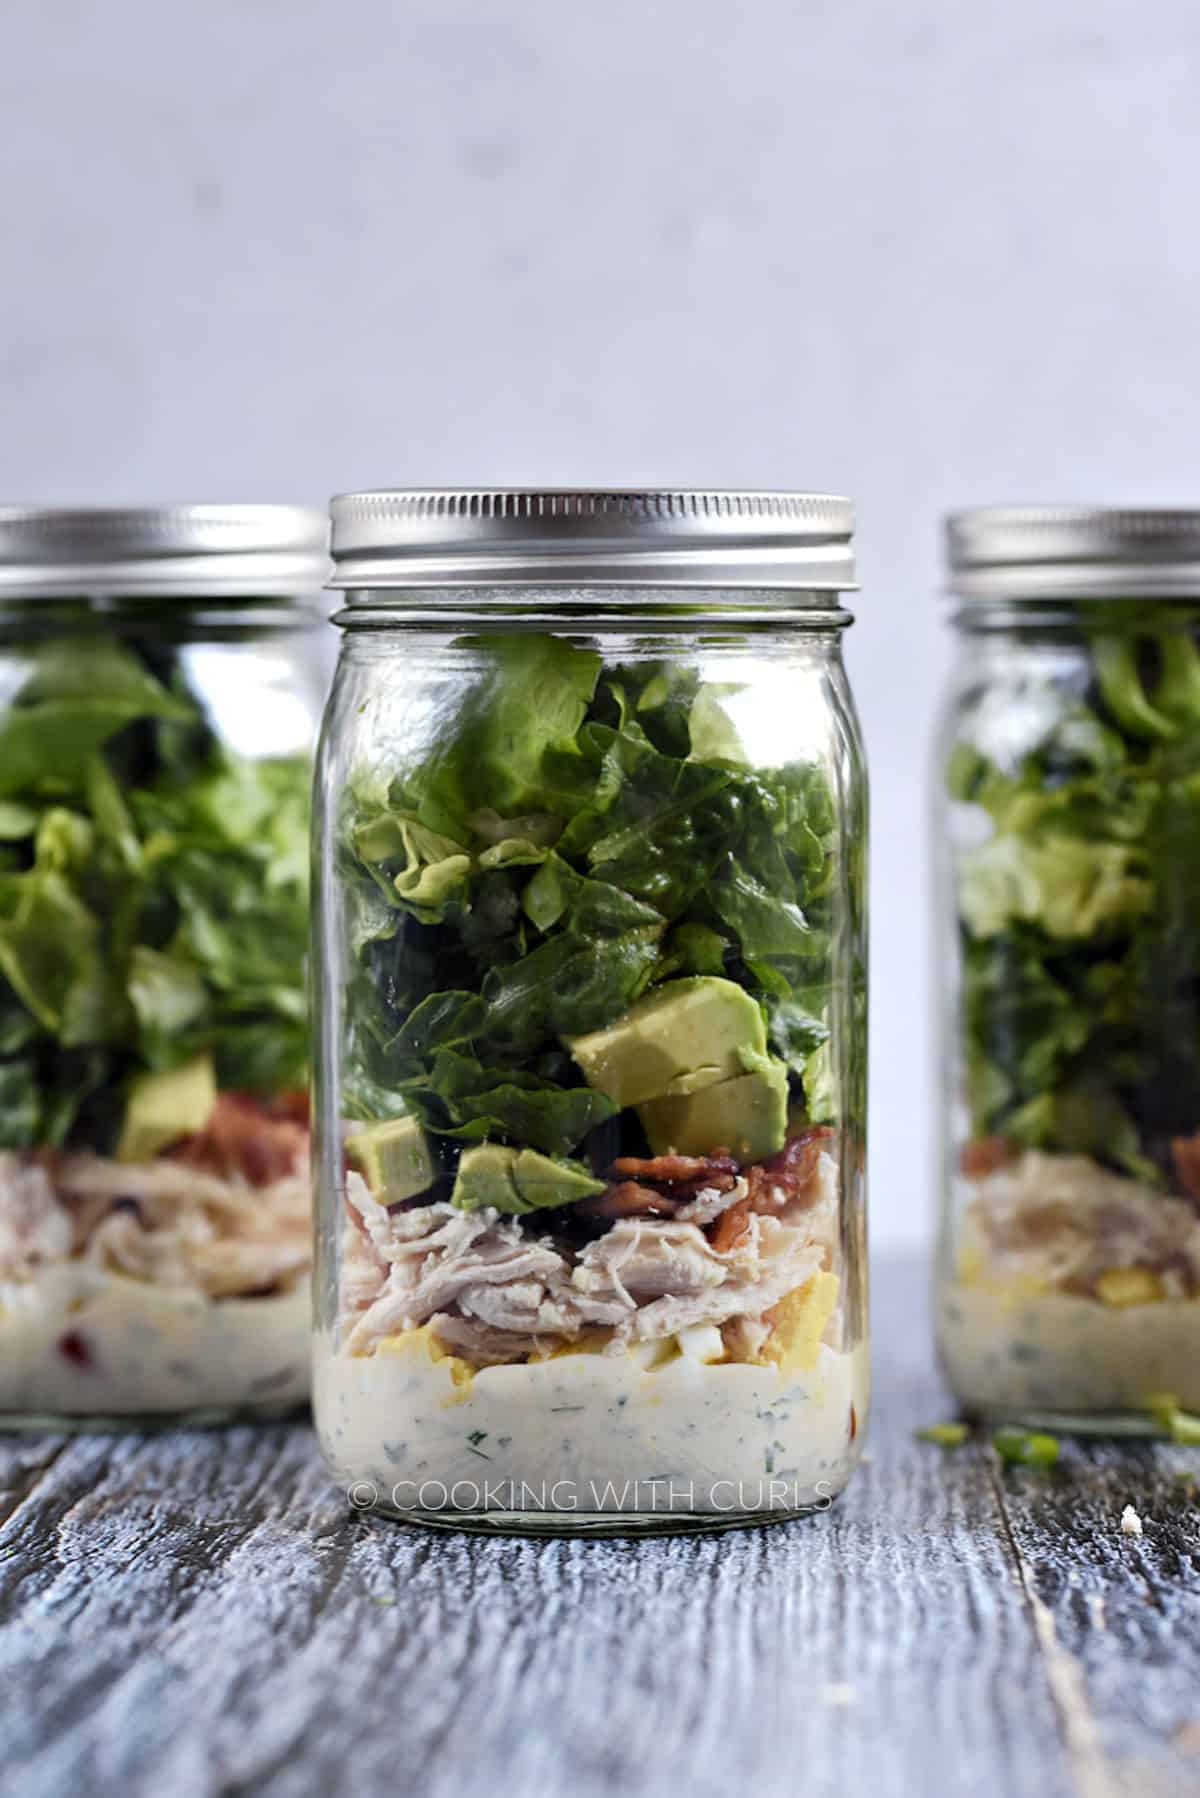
pixel 198 1613
pixel 1118 1616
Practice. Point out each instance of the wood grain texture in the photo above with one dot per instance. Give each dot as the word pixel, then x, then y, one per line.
pixel 198 1613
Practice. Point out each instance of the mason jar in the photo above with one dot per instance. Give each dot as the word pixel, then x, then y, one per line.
pixel 591 1007
pixel 1069 1267
pixel 158 702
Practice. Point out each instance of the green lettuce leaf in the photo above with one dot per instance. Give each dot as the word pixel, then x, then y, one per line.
pixel 482 1103
pixel 76 697
pixel 576 836
pixel 1071 889
pixel 153 895
pixel 509 745
pixel 1081 912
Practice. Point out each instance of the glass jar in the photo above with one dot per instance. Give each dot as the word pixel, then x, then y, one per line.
pixel 592 1012
pixel 1069 1268
pixel 158 702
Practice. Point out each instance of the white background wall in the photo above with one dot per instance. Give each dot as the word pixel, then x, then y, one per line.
pixel 926 252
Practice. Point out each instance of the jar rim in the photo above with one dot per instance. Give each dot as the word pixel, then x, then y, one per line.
pixel 662 538
pixel 1047 552
pixel 571 610
pixel 169 552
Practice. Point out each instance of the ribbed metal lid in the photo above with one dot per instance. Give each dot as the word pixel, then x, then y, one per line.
pixel 183 551
pixel 1074 552
pixel 485 537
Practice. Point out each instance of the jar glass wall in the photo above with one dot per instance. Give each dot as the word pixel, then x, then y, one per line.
pixel 592 1040
pixel 1069 1271
pixel 155 767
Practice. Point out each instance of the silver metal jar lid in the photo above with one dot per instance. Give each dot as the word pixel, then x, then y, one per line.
pixel 1074 552
pixel 184 551
pixel 496 537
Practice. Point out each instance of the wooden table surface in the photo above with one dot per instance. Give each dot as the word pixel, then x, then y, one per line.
pixel 198 1612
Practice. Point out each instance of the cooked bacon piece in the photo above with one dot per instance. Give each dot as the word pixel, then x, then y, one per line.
pixel 788 1175
pixel 730 1226
pixel 627 1200
pixel 691 1189
pixel 243 1137
pixel 985 1155
pixel 668 1170
pixel 1185 1153
pixel 294 1105
pixel 682 1175
pixel 773 1184
pixel 639 1192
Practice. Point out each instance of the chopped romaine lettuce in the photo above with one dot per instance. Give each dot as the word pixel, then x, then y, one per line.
pixel 1026 1448
pixel 1080 911
pixel 579 834
pixel 153 902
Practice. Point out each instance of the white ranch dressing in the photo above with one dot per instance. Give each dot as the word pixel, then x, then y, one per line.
pixel 1052 1351
pixel 589 1433
pixel 81 1341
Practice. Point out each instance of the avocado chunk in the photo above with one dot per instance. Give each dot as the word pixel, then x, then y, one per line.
pixel 163 1107
pixel 747 1116
pixel 393 1158
pixel 544 1180
pixel 517 1180
pixel 485 1178
pixel 696 1032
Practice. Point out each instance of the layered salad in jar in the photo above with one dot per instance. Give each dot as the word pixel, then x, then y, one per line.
pixel 1071 1272
pixel 154 1190
pixel 592 1252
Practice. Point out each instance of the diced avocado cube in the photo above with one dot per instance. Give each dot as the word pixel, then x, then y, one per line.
pixel 697 1031
pixel 518 1180
pixel 747 1116
pixel 544 1180
pixel 162 1108
pixel 820 1091
pixel 485 1179
pixel 393 1158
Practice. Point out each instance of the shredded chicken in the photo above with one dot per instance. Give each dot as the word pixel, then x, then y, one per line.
pixel 493 1291
pixel 482 1345
pixel 711 1201
pixel 477 1265
pixel 34 1227
pixel 363 1268
pixel 163 1221
pixel 672 1276
pixel 1063 1221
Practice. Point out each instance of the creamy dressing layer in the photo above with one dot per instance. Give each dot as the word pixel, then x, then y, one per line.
pixel 79 1341
pixel 1054 1352
pixel 1071 1289
pixel 588 1433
